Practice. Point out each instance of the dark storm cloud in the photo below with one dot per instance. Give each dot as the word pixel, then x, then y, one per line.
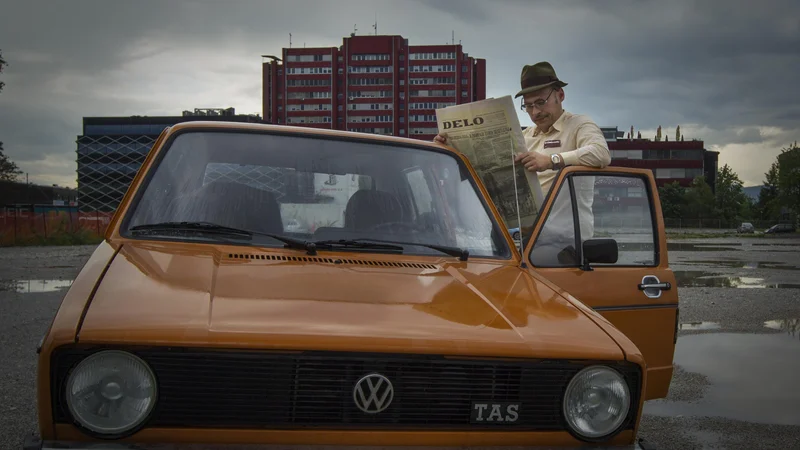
pixel 725 71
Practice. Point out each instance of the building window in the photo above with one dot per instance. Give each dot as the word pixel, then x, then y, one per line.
pixel 402 132
pixel 464 94
pixel 670 173
pixel 636 192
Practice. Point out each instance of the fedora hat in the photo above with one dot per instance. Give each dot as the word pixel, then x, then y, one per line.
pixel 538 76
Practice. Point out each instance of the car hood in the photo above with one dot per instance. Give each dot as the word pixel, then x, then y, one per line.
pixel 168 294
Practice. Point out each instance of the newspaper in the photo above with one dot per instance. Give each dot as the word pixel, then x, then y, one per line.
pixel 488 133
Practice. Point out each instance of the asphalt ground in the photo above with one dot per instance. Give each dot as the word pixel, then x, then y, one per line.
pixel 737 357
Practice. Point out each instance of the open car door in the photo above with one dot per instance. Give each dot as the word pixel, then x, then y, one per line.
pixel 620 268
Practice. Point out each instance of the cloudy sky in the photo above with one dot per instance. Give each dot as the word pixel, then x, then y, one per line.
pixel 726 71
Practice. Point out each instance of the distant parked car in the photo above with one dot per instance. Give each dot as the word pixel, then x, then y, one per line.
pixel 780 228
pixel 746 227
pixel 514 233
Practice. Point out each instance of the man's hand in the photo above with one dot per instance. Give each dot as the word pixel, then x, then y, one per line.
pixel 534 161
pixel 440 139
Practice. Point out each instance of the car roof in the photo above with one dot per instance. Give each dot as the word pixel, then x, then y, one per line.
pixel 265 127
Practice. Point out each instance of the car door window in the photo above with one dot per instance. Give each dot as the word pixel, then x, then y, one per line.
pixel 622 211
pixel 607 206
pixel 420 190
pixel 555 245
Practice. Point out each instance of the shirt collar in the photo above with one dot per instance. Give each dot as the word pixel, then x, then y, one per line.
pixel 557 126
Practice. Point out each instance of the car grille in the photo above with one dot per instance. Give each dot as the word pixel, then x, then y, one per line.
pixel 244 389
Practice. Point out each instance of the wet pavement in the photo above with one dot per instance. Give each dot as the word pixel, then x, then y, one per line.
pixel 738 351
pixel 751 377
pixel 737 356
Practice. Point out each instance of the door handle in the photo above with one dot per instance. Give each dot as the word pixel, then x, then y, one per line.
pixel 652 287
pixel 661 286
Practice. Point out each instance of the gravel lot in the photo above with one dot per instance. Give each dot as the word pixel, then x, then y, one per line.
pixel 738 351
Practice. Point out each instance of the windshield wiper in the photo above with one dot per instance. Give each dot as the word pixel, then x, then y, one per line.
pixel 356 243
pixel 209 227
pixel 462 253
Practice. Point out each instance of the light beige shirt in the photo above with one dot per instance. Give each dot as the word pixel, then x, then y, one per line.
pixel 580 142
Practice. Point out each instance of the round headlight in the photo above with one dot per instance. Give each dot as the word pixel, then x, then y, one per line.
pixel 111 392
pixel 596 402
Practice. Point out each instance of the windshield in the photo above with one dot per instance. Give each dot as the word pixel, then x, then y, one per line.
pixel 317 188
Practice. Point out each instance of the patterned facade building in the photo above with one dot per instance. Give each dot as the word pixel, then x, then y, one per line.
pixel 370 84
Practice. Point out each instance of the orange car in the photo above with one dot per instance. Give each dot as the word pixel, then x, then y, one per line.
pixel 287 286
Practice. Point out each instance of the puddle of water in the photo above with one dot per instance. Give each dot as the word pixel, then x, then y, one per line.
pixel 35 286
pixel 687 278
pixel 752 377
pixel 700 326
pixel 790 326
pixel 737 264
pixel 695 247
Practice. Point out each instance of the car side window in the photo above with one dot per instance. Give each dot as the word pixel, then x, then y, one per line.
pixel 614 207
pixel 555 244
pixel 622 211
pixel 420 190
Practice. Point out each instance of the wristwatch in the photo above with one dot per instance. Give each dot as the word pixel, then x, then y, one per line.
pixel 557 160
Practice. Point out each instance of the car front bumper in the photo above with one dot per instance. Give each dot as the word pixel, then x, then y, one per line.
pixel 32 443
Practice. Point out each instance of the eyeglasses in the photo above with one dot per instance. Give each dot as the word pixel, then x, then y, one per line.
pixel 538 104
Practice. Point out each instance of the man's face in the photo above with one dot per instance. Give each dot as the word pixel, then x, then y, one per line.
pixel 544 106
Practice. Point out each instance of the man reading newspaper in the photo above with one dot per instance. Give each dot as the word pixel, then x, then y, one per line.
pixel 559 139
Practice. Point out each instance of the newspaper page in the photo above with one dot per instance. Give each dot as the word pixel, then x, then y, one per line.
pixel 489 134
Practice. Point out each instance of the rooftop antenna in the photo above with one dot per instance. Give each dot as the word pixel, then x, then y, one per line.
pixel 290 40
pixel 453 38
pixel 376 24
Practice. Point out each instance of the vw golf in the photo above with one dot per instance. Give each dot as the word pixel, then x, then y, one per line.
pixel 402 312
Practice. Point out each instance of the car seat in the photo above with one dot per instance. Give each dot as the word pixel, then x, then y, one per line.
pixel 367 208
pixel 234 205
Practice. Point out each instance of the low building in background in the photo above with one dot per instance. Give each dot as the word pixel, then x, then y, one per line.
pixel 111 150
pixel 670 161
pixel 18 193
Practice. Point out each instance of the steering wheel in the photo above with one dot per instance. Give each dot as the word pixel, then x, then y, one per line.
pixel 391 225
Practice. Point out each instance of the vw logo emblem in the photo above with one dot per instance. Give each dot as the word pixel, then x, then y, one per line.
pixel 373 393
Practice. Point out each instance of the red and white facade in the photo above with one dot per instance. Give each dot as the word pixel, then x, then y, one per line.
pixel 371 84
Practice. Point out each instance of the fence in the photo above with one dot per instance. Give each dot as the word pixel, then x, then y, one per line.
pixel 43 224
pixel 718 224
pixel 46 224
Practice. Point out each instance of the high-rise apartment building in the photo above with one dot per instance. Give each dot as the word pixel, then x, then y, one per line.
pixel 371 84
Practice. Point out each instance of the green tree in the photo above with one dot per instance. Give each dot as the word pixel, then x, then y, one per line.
pixel 8 169
pixel 730 197
pixel 700 202
pixel 673 199
pixel 789 178
pixel 769 207
pixel 3 63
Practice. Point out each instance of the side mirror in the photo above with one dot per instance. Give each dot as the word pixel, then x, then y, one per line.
pixel 599 251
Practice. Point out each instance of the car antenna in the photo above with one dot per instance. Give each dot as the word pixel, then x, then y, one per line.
pixel 516 202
